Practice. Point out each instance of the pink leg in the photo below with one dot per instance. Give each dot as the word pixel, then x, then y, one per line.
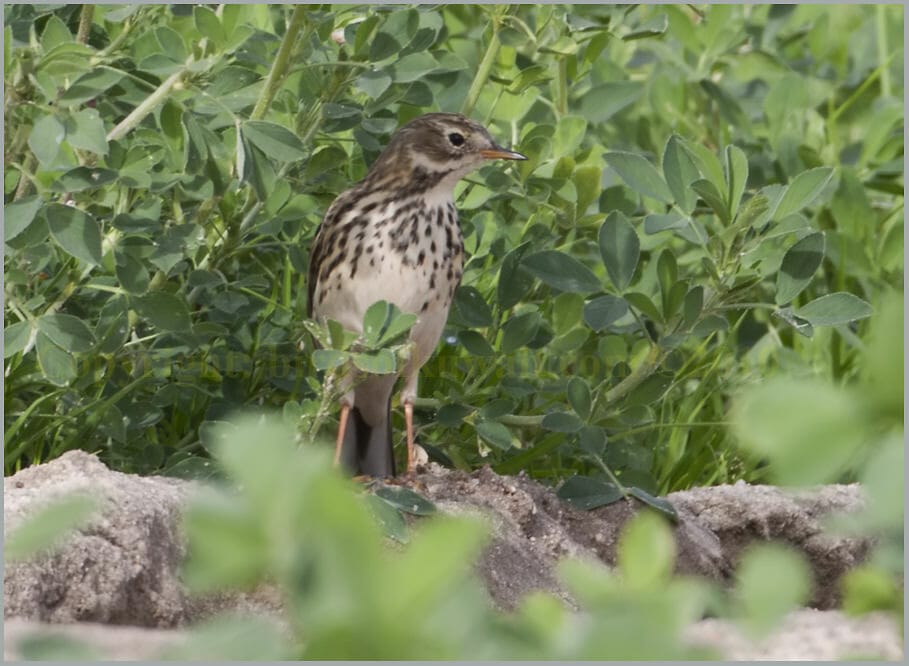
pixel 342 426
pixel 408 420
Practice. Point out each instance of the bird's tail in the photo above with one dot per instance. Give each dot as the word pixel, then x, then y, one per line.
pixel 366 448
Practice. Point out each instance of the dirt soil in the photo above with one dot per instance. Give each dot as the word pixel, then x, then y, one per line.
pixel 123 568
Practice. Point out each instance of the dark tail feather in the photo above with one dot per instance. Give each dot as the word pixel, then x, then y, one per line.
pixel 367 449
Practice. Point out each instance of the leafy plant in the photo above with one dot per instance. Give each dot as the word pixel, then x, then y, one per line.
pixel 298 524
pixel 712 195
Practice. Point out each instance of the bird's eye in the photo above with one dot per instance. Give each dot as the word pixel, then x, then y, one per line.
pixel 456 139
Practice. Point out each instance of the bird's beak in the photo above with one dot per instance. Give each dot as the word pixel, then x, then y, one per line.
pixel 499 153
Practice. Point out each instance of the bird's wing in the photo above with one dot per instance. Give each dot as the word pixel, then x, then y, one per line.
pixel 321 245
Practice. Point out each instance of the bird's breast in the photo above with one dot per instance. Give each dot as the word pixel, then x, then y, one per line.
pixel 408 253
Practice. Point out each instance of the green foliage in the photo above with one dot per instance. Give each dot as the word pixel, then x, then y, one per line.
pixel 811 431
pixel 772 580
pixel 289 518
pixel 712 195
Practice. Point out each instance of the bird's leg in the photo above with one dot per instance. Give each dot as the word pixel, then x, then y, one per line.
pixel 342 426
pixel 408 420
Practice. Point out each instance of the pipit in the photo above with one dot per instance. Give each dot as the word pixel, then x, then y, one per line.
pixel 395 236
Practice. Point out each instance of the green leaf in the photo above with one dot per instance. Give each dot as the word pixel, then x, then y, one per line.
pixel 833 309
pixel 513 282
pixel 476 344
pixel 74 231
pixel 802 191
pixel 226 542
pixel 381 362
pixel 49 526
pixel 693 305
pixel 585 493
pixel 737 177
pixel 45 139
pixel 494 433
pixel 587 183
pixel 58 366
pixel 646 552
pixel 653 27
pixel 602 102
pixel 808 430
pixel 603 311
pixel 326 359
pixel 91 85
pixel 661 504
pixel 209 25
pixel 131 273
pixel 412 67
pixel 799 265
pixel 472 308
pixel 667 274
pixel 394 34
pixel 772 581
pixel 569 133
pixel 640 175
pixel 452 415
pixel 84 178
pixel 643 304
pixel 496 408
pixel 707 163
pixel 680 171
pixel 85 131
pixel 566 312
pixel 376 319
pixel 373 83
pixel 55 33
pixel 592 440
pixel 562 422
pixel 620 249
pixel 274 140
pixel 16 337
pixel 578 393
pixel 519 330
pixel 167 312
pixel 712 197
pixel 561 271
pixel 389 518
pixel 650 390
pixel 404 499
pixel 18 215
pixel 67 332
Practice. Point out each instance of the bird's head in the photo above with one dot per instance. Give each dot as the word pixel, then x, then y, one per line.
pixel 445 146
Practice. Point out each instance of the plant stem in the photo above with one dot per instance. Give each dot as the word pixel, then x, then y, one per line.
pixel 482 75
pixel 612 477
pixel 85 23
pixel 857 93
pixel 280 65
pixel 146 107
pixel 532 420
pixel 881 30
pixel 25 181
pixel 563 87
pixel 638 375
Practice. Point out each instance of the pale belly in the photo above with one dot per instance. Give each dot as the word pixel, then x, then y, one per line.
pixel 419 290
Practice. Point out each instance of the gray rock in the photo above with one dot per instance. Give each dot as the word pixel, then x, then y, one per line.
pixel 806 634
pixel 740 515
pixel 85 640
pixel 122 568
pixel 803 635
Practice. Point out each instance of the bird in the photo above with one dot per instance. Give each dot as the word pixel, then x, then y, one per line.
pixel 395 236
